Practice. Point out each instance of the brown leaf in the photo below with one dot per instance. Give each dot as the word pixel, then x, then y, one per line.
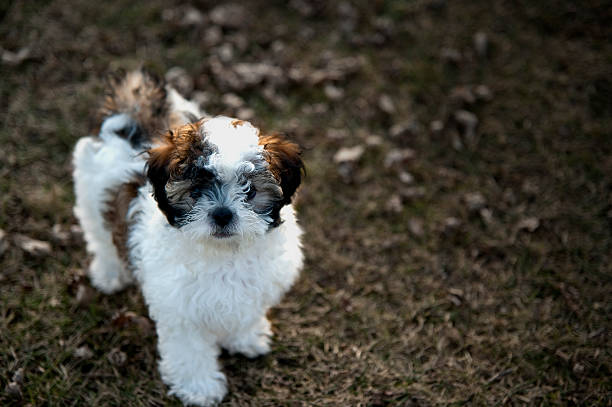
pixel 180 80
pixel 463 94
pixel 60 234
pixel 405 129
pixel 406 177
pixel 468 122
pixel 399 157
pixel 374 140
pixel 3 242
pixel 529 224
pixel 18 376
pixel 33 246
pixel 481 43
pixel 475 201
pixel 229 15
pixel 117 357
pixel 333 92
pixel 451 55
pixel 349 154
pixel 13 389
pixel 129 319
pixel 15 58
pixel 83 352
pixel 394 204
pixel 232 100
pixel 436 126
pixel 416 227
pixel 84 295
pixel 483 92
pixel 385 103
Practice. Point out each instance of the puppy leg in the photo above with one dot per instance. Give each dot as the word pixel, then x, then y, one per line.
pixel 189 364
pixel 253 341
pixel 106 271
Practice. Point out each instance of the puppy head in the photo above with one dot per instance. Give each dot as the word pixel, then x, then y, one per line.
pixel 220 178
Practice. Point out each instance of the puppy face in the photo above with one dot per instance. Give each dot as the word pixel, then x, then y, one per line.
pixel 220 178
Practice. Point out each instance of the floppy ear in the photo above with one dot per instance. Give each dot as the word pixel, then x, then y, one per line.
pixel 158 173
pixel 284 158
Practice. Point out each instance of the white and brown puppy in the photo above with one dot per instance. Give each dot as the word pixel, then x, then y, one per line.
pixel 200 216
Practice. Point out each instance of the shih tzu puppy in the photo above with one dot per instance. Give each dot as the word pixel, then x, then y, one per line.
pixel 200 216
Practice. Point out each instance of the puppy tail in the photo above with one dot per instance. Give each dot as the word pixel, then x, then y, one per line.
pixel 142 96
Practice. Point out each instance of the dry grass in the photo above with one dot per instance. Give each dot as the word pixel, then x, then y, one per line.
pixel 484 282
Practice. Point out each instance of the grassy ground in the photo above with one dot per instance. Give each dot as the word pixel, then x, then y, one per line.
pixel 444 266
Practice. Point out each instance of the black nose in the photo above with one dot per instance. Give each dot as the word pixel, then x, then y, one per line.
pixel 222 216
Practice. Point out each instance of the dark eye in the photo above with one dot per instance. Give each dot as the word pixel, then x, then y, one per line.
pixel 251 192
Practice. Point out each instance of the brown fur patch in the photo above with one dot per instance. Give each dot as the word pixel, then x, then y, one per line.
pixel 116 215
pixel 284 158
pixel 176 148
pixel 139 94
pixel 168 159
pixel 237 123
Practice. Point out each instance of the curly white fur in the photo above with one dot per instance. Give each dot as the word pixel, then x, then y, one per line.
pixel 203 293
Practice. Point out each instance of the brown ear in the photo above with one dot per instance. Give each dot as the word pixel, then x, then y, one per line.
pixel 160 159
pixel 168 160
pixel 284 158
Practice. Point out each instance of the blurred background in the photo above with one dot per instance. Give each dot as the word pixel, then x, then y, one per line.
pixel 457 208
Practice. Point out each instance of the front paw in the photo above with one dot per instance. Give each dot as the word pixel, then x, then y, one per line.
pixel 252 343
pixel 205 392
pixel 107 277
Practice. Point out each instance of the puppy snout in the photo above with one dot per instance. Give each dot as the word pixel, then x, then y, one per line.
pixel 222 216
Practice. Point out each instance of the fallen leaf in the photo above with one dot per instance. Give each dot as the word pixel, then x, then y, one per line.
pixel 60 234
pixel 385 103
pixel 18 376
pixel 529 224
pixel 33 246
pixel 129 318
pixel 487 215
pixel 450 55
pixel 337 134
pixel 232 100
pixel 475 201
pixel 13 389
pixel 117 357
pixel 406 177
pixel 333 92
pixel 349 154
pixel 76 231
pixel 3 242
pixel 15 58
pixel 398 157
pixel 83 352
pixel 436 126
pixel 463 94
pixel 483 92
pixel 374 140
pixel 451 224
pixel 229 15
pixel 481 43
pixel 84 294
pixel 394 204
pixel 180 80
pixel 245 113
pixel 468 122
pixel 253 74
pixel 413 192
pixel 403 129
pixel 416 227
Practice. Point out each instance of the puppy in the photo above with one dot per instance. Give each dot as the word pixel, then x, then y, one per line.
pixel 199 215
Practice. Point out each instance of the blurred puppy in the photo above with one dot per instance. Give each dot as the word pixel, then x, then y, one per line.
pixel 200 216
